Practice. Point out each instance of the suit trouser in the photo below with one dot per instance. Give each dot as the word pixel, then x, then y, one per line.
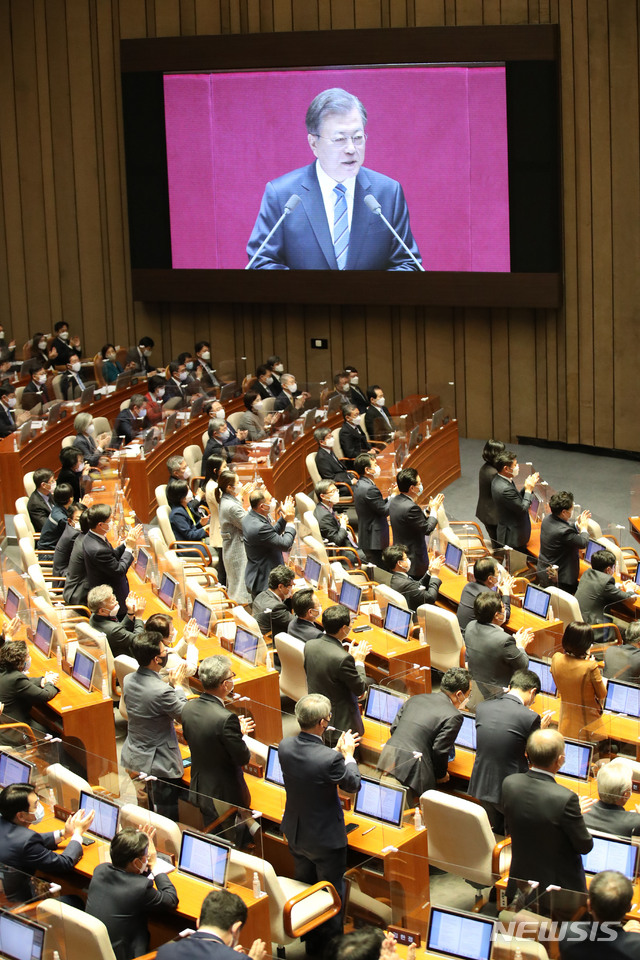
pixel 312 866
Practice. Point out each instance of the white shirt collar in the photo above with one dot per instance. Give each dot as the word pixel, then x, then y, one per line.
pixel 327 184
pixel 517 694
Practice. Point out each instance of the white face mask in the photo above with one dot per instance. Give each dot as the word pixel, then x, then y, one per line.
pixel 76 367
pixel 189 364
pixel 334 497
pixel 183 376
pixel 346 388
pixel 292 387
pixel 380 401
pixel 257 405
pixel 38 813
pixel 1 334
pixel 12 402
pixel 279 368
pixel 515 470
pixel 146 353
pixel 160 393
pixel 405 565
pixel 42 379
pixel 420 489
pixel 220 414
pixel 354 381
pixel 269 381
pixel 205 355
pixel 64 335
pixel 186 473
pixel 142 413
pixel 329 442
pixel 376 470
pixel 42 344
pixel 111 356
pixel 91 428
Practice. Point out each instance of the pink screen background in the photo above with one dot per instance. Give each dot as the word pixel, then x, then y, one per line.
pixel 440 131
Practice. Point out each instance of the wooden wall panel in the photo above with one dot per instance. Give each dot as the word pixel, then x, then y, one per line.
pixel 562 375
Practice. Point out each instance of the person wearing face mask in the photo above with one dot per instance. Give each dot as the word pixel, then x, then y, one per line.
pixel 289 401
pixel 141 355
pixel 153 400
pixel 264 541
pixel 187 521
pixel 222 917
pixel 104 617
pixel 36 391
pixel 416 592
pixel 231 512
pixel 340 389
pixel 272 607
pixel 19 692
pixel 111 366
pixel 75 472
pixel 128 425
pixel 104 563
pixel 217 738
pixel 64 344
pixel 512 505
pixel 353 441
pixel 333 527
pixel 327 463
pixel 377 418
pixel 204 371
pixel 356 393
pixel 58 519
pixel 72 384
pixel 123 892
pixel 152 705
pixel 9 420
pixel 183 652
pixel 92 447
pixel 275 367
pixel 264 384
pixel 493 655
pixel 27 851
pixel 222 442
pixel 423 733
pixel 485 577
pixel 411 524
pixel 307 612
pixel 39 355
pixel 40 502
pixel 254 421
pixel 176 395
pixel 372 509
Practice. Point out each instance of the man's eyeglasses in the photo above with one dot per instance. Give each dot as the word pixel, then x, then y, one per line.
pixel 358 140
pixel 231 676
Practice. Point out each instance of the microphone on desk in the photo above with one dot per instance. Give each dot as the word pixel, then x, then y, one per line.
pixel 289 207
pixel 375 208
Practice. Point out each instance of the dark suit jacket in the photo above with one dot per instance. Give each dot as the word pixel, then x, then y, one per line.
pixel 38 509
pixel 175 389
pixel 608 818
pixel 103 564
pixel 53 528
pixel 119 633
pixel 304 242
pixel 65 350
pixel 199 946
pixel 76 585
pixel 465 612
pixel 122 900
pixel 597 590
pixel 304 629
pixel 372 509
pixel 559 543
pixel 64 546
pixel 19 693
pixel 218 752
pixel 547 830
pixel 493 657
pixel 622 663
pixel 34 394
pixel 125 426
pixel 313 818
pixel 512 508
pixel 72 477
pixel 264 544
pixel 502 728
pixel 87 444
pixel 142 363
pixel 579 943
pixel 427 724
pixel 7 421
pixel 411 527
pixel 332 671
pixel 358 398
pixel 280 617
pixel 416 592
pixel 184 526
pixel 377 427
pixel 353 441
pixel 330 468
pixel 28 851
pixel 486 510
pixel 330 528
pixel 69 386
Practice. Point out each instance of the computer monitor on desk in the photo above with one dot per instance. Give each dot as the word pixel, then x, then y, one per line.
pixel 467 733
pixel 611 853
pixel 13 770
pixel 397 621
pixel 273 770
pixel 453 557
pixel 536 601
pixel 105 818
pixel 43 636
pixel 245 645
pixel 383 704
pixel 14 599
pixel 592 547
pixel 578 757
pixel 167 591
pixel 461 936
pixel 83 669
pixel 203 615
pixel 543 669
pixel 204 858
pixel 350 596
pixel 380 802
pixel 20 939
pixel 313 571
pixel 623 698
pixel 142 563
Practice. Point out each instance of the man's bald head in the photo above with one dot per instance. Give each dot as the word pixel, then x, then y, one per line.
pixel 545 748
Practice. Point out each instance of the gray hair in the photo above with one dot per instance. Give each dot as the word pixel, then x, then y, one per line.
pixel 98 596
pixel 632 633
pixel 322 486
pixel 215 425
pixel 321 433
pixel 614 781
pixel 213 671
pixel 334 100
pixel 310 710
pixel 288 377
pixel 174 462
pixel 81 422
pixel 137 400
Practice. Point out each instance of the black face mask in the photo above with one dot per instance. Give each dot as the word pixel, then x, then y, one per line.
pixel 162 661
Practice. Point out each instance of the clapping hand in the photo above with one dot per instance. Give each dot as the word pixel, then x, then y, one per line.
pixel 191 631
pixel 247 725
pixel 177 675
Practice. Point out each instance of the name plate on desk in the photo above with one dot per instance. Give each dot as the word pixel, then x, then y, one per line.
pixel 333 595
pixel 404 936
pixel 376 621
pixel 255 769
pixel 226 642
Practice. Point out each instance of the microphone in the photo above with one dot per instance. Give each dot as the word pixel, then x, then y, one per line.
pixel 375 207
pixel 289 207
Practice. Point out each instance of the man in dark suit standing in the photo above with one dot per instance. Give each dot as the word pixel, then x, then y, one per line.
pixel 272 607
pixel 377 418
pixel 222 917
pixel 337 673
pixel 512 505
pixel 307 610
pixel 493 655
pixel 313 821
pixel 396 560
pixel 352 437
pixel 264 541
pixel 597 588
pixel 64 343
pixel 40 503
pixel 216 739
pixel 411 524
pixel 503 726
pixel 327 463
pixel 356 394
pixel 103 563
pixel 560 543
pixel 486 577
pixel 608 814
pixel 372 509
pixel 423 733
pixel 544 821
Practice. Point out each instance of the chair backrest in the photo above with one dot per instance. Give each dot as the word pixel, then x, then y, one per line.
pixel 314 545
pixel 39 585
pixel 565 606
pixel 312 470
pixel 269 883
pixel 161 495
pixel 124 665
pixel 594 529
pixel 448 536
pixel 29 485
pixel 56 386
pixel 304 503
pixel 235 418
pixel 19 392
pixel 337 449
pixel 259 750
pixel 385 595
pixel 268 404
pixel 517 948
pixel 97 370
pixel 461 840
pixel 442 633
pixel 28 555
pixel 205 439
pixel 72 932
pixel 68 441
pixel 101 425
pixel 23 510
pixel 193 455
pixel 609 544
pixel 338 571
pixel 164 523
pixel 293 679
pixel 23 528
pixel 168 834
pixel 125 404
pixel 67 786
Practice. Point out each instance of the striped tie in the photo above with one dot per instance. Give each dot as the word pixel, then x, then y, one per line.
pixel 340 226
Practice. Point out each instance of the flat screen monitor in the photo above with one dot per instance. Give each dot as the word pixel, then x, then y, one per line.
pixel 611 853
pixel 350 595
pixel 273 771
pixel 14 599
pixel 467 733
pixel 196 406
pixel 380 802
pixel 87 396
pixel 453 557
pixel 169 425
pixel 534 507
pixel 383 704
pixel 592 547
pixel 246 645
pixel 543 669
pixel 20 939
pixel 578 758
pixel 623 698
pixel 228 391
pixel 202 614
pixel 313 571
pixel 83 668
pixel 463 936
pixel 415 437
pixel 105 815
pixel 536 601
pixel 43 636
pixel 204 858
pixel 437 419
pixel 397 620
pixel 13 770
pixel 167 591
pixel 142 563
pixel 637 576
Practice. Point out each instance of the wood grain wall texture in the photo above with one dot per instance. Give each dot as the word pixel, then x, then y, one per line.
pixel 563 375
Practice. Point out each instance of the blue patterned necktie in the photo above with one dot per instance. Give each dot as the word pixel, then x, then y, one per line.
pixel 340 226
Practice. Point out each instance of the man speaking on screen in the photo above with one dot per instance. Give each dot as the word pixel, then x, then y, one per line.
pixel 334 214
